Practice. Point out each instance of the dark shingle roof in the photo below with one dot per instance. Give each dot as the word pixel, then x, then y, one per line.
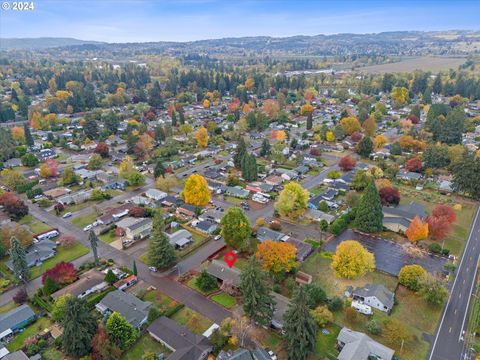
pixel 221 271
pixel 15 316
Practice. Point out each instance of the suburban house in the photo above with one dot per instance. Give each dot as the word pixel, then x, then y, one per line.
pixel 222 272
pixel 170 201
pixel 354 345
pixel 89 283
pixel 136 228
pixel 398 218
pixel 281 306
pixel 180 238
pixel 214 215
pixel 38 252
pixel 408 175
pixel 155 195
pixel 376 296
pixel 318 215
pixel 206 226
pixel 15 319
pixel 186 210
pixel 129 306
pixel 237 191
pixel 244 354
pixel 303 249
pixel 125 283
pixel 75 198
pixel 184 344
pixel 264 233
pixel 11 163
pixel 56 192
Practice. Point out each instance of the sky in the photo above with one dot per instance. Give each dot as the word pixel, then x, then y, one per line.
pixel 187 20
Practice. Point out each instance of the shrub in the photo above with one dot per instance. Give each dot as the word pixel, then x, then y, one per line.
pixel 335 304
pixel 153 314
pixel 435 248
pixel 20 296
pixel 374 327
pixel 411 276
pixel 316 295
pixel 206 282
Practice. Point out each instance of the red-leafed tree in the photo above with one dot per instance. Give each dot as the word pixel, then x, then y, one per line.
pixel 356 136
pixel 13 205
pixel 67 241
pixel 137 212
pixel 119 232
pixel 413 118
pixel 315 151
pixel 389 195
pixel 414 164
pixel 347 163
pixel 62 273
pixel 438 227
pixel 444 211
pixel 102 149
pixel 103 348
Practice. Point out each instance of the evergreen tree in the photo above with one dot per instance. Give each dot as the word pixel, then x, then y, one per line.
pixel 437 85
pixel 369 214
pixel 300 327
pixel 174 118
pixel 258 304
pixel 161 253
pixel 309 121
pixel 19 260
pixel 159 169
pixel 111 122
pixel 28 134
pixel 182 117
pixel 91 129
pixel 249 167
pixel 79 327
pixel 93 244
pixel 265 150
pixel 466 174
pixel 365 147
pixel 155 96
pixel 427 96
pixel 240 153
pixel 453 126
pixel 134 268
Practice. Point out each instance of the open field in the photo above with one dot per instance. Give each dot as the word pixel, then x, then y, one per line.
pixel 425 63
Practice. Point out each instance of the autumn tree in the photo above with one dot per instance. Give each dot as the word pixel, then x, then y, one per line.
pixel 120 331
pixel 389 195
pixel 166 183
pixel 202 137
pixel 414 164
pixel 369 215
pixel 12 178
pixel 379 142
pixel 351 260
pixel 322 316
pixel 440 222
pixel 306 110
pixel 433 290
pixel 399 96
pixel 277 257
pixel 369 126
pixel 350 125
pixel 236 229
pixel 347 163
pixel 49 169
pixel 196 190
pixel 292 201
pixel 102 150
pixel 271 108
pixel 63 273
pixel 412 276
pixel 103 348
pixel 418 230
pixel 395 332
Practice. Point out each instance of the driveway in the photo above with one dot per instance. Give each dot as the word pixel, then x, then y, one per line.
pixel 390 256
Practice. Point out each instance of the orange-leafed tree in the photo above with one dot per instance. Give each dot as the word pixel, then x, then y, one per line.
pixel 206 104
pixel 369 126
pixel 234 105
pixel 49 169
pixel 310 94
pixel 279 135
pixel 276 256
pixel 418 230
pixel 246 109
pixel 202 137
pixel 379 141
pixel 18 134
pixel 414 164
pixel 271 108
pixel 306 109
pixel 196 190
pixel 438 227
pixel 249 83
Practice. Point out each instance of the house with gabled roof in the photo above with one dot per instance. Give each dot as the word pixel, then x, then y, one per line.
pixel 134 310
pixel 374 295
pixel 354 345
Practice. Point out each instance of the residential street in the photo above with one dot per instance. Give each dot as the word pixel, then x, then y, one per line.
pixel 449 342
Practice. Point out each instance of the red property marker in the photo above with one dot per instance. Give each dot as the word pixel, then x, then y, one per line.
pixel 230 259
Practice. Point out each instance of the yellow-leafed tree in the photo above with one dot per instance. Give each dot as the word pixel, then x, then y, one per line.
pixel 277 256
pixel 352 260
pixel 202 137
pixel 196 190
pixel 206 104
pixel 350 124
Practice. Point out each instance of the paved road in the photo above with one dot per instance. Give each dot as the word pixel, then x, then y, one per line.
pixel 390 256
pixel 167 285
pixel 448 343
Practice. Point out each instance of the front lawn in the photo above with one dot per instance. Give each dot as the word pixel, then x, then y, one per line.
pixel 52 354
pixel 225 300
pixel 84 220
pixel 36 226
pixel 192 283
pixel 63 254
pixel 318 265
pixel 145 345
pixel 108 237
pixel 195 322
pixel 36 328
pixel 164 302
pixel 326 343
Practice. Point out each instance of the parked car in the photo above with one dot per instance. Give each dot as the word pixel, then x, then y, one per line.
pixel 152 268
pixel 67 215
pixel 217 238
pixel 88 227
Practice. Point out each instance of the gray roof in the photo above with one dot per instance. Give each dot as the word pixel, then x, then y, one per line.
pixel 260 354
pixel 221 271
pixel 187 345
pixel 359 346
pixel 281 306
pixel 264 233
pixel 386 296
pixel 237 191
pixel 179 237
pixel 129 306
pixel 140 223
pixel 17 355
pixel 240 354
pixel 408 211
pixel 15 316
pixel 396 220
pixel 303 249
pixel 37 252
pixel 206 225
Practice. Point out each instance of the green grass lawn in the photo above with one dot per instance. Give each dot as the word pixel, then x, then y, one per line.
pixel 144 345
pixel 108 237
pixel 225 300
pixel 36 226
pixel 318 266
pixel 84 220
pixel 164 302
pixel 233 200
pixel 63 254
pixel 326 343
pixel 74 207
pixel 192 284
pixel 36 328
pixel 195 322
pixel 461 229
pixel 52 354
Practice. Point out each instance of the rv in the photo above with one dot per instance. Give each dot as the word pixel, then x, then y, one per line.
pixel 362 308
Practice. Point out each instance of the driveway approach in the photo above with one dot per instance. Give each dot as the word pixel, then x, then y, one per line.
pixel 390 256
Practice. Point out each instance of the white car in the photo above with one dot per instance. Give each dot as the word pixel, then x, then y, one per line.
pixel 67 215
pixel 152 268
pixel 88 227
pixel 218 237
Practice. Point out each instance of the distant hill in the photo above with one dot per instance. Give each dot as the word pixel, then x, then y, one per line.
pixel 40 43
